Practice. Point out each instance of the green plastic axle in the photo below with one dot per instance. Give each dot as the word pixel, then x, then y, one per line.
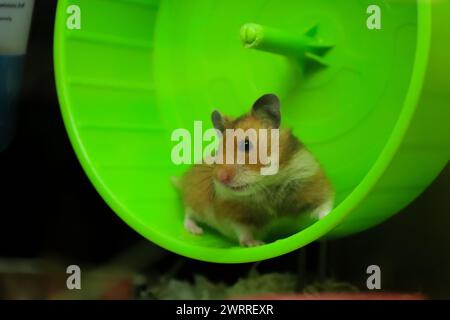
pixel 256 36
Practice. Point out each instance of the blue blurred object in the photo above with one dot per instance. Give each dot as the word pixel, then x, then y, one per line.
pixel 10 77
pixel 14 30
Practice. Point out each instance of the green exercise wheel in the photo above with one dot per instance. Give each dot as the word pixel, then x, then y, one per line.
pixel 371 103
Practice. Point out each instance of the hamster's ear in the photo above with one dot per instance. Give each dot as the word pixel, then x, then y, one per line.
pixel 219 122
pixel 267 108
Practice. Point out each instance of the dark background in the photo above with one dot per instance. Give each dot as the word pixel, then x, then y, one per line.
pixel 49 208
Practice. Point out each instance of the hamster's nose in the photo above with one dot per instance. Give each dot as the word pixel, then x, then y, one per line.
pixel 225 175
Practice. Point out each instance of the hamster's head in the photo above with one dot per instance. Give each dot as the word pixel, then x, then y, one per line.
pixel 251 148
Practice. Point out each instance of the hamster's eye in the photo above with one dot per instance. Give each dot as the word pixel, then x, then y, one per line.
pixel 245 145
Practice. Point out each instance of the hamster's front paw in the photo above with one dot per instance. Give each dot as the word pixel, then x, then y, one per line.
pixel 323 210
pixel 191 226
pixel 246 240
pixel 251 243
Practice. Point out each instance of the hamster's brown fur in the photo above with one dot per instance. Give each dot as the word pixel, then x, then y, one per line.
pixel 237 200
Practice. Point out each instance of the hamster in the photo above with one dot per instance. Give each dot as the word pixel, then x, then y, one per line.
pixel 236 199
